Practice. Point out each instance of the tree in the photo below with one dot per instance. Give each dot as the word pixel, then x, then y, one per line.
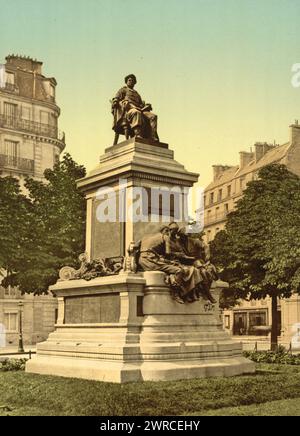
pixel 54 234
pixel 259 251
pixel 220 250
pixel 15 212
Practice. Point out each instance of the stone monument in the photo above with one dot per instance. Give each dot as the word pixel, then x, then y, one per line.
pixel 142 306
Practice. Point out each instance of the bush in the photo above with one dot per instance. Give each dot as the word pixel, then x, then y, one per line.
pixel 281 356
pixel 13 365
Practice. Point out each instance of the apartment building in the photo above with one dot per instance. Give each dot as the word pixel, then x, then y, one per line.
pixel 221 196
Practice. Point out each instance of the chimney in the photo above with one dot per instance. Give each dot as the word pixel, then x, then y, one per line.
pixel 245 158
pixel 219 169
pixel 24 63
pixel 261 148
pixel 295 132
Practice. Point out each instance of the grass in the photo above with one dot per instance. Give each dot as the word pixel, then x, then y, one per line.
pixel 272 408
pixel 30 394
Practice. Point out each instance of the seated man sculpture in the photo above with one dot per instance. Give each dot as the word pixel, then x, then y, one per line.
pixel 172 252
pixel 132 117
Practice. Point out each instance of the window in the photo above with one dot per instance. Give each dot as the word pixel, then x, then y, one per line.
pixel 10 110
pixel 52 120
pixel 240 324
pixel 10 149
pixel 204 200
pixel 257 319
pixel 217 212
pixel 226 208
pixel 208 216
pixel 11 321
pixel 220 195
pixel 52 91
pixel 208 235
pixel 44 117
pixel 10 78
pixel 26 113
pixel 228 190
pixel 211 199
pixel 242 183
pixel 10 291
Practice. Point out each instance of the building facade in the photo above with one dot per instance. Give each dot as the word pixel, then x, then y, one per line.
pixel 30 142
pixel 220 197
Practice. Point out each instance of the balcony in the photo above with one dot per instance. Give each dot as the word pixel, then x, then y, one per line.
pixel 16 163
pixel 10 87
pixel 216 218
pixel 20 124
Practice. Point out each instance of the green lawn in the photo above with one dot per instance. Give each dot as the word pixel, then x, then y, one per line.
pixel 262 393
pixel 272 408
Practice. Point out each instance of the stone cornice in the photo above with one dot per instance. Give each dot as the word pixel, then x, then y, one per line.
pixel 33 136
pixel 33 101
pixel 94 182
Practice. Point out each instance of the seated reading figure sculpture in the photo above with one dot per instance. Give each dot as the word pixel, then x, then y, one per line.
pixel 132 116
pixel 188 273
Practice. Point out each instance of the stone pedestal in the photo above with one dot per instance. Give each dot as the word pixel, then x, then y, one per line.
pixel 127 328
pixel 124 169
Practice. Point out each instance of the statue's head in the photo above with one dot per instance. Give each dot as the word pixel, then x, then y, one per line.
pixel 164 230
pixel 130 80
pixel 173 228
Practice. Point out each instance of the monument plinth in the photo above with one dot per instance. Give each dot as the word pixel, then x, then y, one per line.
pixel 127 328
pixel 123 169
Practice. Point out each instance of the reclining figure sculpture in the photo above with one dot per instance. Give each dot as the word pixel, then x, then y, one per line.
pixel 182 256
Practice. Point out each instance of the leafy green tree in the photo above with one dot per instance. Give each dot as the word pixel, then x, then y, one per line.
pixel 259 251
pixel 54 230
pixel 15 215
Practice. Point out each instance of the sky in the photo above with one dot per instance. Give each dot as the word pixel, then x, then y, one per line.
pixel 217 72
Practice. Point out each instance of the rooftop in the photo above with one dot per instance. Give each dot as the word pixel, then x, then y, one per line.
pixel 273 154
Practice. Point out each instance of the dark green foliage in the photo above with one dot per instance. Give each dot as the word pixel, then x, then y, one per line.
pixel 15 219
pixel 280 357
pixel 47 229
pixel 13 365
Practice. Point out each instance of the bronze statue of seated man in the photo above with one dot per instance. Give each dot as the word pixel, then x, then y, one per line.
pixel 132 116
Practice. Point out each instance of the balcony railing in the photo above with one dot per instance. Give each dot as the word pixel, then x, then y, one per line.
pixel 215 218
pixel 17 123
pixel 19 163
pixel 11 87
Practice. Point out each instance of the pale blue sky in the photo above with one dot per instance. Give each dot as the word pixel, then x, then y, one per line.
pixel 217 72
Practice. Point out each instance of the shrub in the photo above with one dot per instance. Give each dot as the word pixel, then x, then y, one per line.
pixel 13 365
pixel 281 356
